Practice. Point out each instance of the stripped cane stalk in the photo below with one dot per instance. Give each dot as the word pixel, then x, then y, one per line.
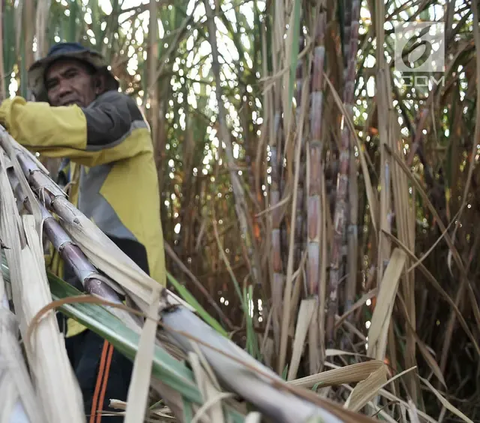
pixel 71 253
pixel 274 132
pixel 276 216
pixel 55 200
pixel 250 383
pixel 315 212
pixel 341 204
pixel 94 283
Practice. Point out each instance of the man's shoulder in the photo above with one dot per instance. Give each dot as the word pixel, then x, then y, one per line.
pixel 124 104
pixel 114 97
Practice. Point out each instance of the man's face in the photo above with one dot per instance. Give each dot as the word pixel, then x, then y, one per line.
pixel 69 82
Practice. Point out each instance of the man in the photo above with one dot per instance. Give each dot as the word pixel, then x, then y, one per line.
pixel 79 114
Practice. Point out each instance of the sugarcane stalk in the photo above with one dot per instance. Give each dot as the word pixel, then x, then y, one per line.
pixel 315 183
pixel 316 162
pixel 182 325
pixel 341 203
pixel 250 383
pixel 276 138
pixel 87 274
pixel 352 242
pixel 300 212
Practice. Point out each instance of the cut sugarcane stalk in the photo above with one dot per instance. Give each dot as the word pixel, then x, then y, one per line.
pixel 235 368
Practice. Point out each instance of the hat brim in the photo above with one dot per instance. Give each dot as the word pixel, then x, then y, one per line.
pixel 36 73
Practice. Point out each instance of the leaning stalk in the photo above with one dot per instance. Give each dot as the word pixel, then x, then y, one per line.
pixel 250 383
pixel 94 283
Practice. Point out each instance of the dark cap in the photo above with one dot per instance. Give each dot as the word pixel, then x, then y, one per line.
pixel 36 73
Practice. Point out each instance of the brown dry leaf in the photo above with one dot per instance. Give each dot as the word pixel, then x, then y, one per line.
pixel 15 384
pixel 307 308
pixel 348 374
pixel 209 389
pixel 427 355
pixel 366 390
pixel 142 367
pixel 445 402
pixel 377 334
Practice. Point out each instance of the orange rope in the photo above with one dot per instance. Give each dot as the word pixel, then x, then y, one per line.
pixel 105 382
pixel 99 382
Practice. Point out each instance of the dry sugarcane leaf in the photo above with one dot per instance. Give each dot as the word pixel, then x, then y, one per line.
pixel 11 354
pixel 9 398
pixel 307 308
pixel 412 412
pixel 427 355
pixel 214 401
pixel 9 145
pixel 12 144
pixel 445 402
pixel 348 374
pixel 55 381
pixel 377 334
pixel 208 390
pixel 368 296
pixel 142 368
pixel 331 352
pixel 367 389
pixel 253 417
pixel 47 357
pixel 389 396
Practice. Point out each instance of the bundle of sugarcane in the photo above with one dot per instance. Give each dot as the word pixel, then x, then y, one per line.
pixel 28 198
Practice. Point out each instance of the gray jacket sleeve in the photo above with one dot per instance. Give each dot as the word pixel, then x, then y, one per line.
pixel 111 118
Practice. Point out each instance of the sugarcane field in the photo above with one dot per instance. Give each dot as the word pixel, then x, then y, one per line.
pixel 239 211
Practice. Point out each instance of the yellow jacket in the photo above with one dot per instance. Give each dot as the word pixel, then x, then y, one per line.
pixel 118 186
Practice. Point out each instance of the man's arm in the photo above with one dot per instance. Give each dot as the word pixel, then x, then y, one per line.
pixel 91 136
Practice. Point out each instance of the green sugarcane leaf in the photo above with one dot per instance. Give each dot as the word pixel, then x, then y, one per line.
pixel 98 319
pixel 101 321
pixel 294 57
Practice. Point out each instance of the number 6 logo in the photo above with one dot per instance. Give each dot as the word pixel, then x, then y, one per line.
pixel 420 47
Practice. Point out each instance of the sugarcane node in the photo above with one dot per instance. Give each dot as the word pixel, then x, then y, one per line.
pixel 170 308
